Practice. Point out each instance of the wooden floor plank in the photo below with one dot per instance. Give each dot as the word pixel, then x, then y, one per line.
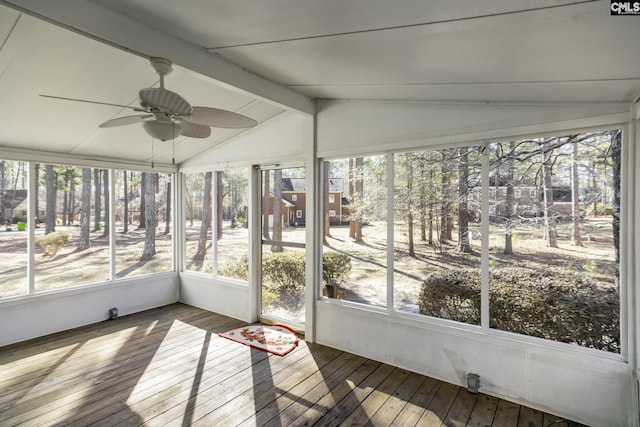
pixel 461 409
pixel 507 414
pixel 484 411
pixel 168 366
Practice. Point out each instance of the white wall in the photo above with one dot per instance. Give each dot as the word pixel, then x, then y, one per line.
pixel 36 315
pixel 223 297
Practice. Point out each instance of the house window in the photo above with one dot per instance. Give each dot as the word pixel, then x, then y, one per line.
pixel 332 212
pixel 332 198
pixel 517 193
pixel 294 197
pixel 532 193
pixel 298 213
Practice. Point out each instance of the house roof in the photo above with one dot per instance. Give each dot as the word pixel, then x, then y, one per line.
pixel 264 58
pixel 299 184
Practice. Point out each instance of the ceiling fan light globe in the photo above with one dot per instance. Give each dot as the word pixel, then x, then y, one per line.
pixel 162 130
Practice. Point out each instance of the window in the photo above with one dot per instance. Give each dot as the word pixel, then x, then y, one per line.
pixel 294 197
pixel 143 223
pixel 564 251
pixel 332 198
pixel 198 213
pixel 355 257
pixel 434 251
pixel 332 212
pixel 72 245
pixel 298 213
pixel 553 269
pixel 232 210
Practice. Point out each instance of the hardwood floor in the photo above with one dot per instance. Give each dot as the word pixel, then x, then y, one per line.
pixel 168 366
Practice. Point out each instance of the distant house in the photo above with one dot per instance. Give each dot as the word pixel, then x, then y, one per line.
pixel 294 197
pixel 528 202
pixel 14 205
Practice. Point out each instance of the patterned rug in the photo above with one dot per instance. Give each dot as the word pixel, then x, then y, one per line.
pixel 276 339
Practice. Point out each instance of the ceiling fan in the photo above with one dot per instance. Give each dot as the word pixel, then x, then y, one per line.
pixel 168 115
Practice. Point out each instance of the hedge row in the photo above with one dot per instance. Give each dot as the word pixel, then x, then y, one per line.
pixel 285 271
pixel 554 304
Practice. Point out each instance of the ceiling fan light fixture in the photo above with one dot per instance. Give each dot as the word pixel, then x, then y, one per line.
pixel 162 130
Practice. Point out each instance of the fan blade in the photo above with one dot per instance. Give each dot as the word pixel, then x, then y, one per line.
pixel 93 102
pixel 217 118
pixel 195 130
pixel 126 120
pixel 165 100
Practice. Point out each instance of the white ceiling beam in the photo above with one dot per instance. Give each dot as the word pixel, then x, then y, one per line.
pixel 105 25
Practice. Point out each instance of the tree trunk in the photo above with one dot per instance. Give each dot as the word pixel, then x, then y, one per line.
pixel 125 220
pixel 616 155
pixel 150 217
pixel 326 229
pixel 576 239
pixel 97 197
pixel 205 223
pixel 265 205
pixel 549 219
pixel 352 192
pixel 85 211
pixel 37 201
pixel 65 201
pixel 107 202
pixel 430 207
pixel 143 190
pixel 167 219
pixel 463 204
pixel 50 185
pixel 219 200
pixel 277 209
pixel 408 202
pixel 444 208
pixel 359 187
pixel 509 202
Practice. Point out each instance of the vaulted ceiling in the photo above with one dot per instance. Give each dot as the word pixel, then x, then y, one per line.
pixel 264 58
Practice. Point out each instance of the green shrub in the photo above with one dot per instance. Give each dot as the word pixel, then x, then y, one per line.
pixel 237 268
pixel 51 243
pixel 283 272
pixel 555 304
pixel 335 267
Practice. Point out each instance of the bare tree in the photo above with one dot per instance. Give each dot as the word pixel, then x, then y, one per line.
pixel 576 239
pixel 107 202
pixel 167 218
pixel 50 185
pixel 616 155
pixel 509 202
pixel 219 201
pixel 97 199
pixel 143 201
pixel 356 184
pixel 277 209
pixel 326 229
pixel 205 223
pixel 150 216
pixel 85 210
pixel 463 204
pixel 125 213
pixel 549 219
pixel 265 205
